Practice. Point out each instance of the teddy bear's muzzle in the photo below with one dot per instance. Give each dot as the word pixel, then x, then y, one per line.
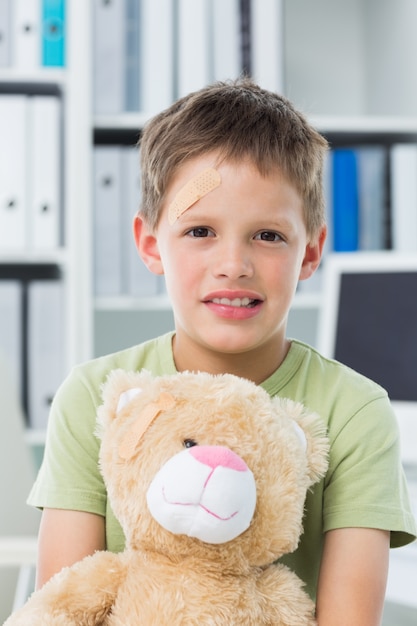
pixel 207 492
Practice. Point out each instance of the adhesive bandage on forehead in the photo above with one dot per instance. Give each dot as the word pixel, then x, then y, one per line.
pixel 200 185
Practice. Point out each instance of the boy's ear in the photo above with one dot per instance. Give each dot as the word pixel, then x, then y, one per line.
pixel 147 245
pixel 313 254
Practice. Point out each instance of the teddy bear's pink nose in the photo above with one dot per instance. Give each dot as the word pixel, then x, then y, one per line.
pixel 215 456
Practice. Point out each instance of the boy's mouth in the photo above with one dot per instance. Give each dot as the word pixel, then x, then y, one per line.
pixel 236 302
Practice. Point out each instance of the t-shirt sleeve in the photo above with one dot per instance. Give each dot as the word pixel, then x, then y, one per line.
pixel 365 484
pixel 69 476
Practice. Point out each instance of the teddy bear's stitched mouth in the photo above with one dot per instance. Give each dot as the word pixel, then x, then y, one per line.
pixel 201 506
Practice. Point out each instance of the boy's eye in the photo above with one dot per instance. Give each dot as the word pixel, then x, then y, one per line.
pixel 268 235
pixel 200 231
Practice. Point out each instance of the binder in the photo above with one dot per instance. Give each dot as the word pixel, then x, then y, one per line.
pixel 267 44
pixel 11 347
pixel 46 347
pixel 193 45
pixel 133 56
pixel 157 55
pixel 5 33
pixel 13 172
pixel 53 33
pixel 328 205
pixel 225 40
pixel 109 70
pixel 372 175
pixel 44 206
pixel 404 197
pixel 138 280
pixel 345 201
pixel 107 221
pixel 26 37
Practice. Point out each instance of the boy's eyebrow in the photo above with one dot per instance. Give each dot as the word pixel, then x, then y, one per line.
pixel 200 185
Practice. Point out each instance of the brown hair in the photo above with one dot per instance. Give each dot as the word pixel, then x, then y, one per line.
pixel 240 120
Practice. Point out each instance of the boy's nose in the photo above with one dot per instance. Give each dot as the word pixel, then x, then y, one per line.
pixel 233 262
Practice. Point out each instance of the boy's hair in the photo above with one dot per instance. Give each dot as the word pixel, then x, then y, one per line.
pixel 240 120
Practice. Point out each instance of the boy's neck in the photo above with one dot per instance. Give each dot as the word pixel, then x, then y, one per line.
pixel 255 365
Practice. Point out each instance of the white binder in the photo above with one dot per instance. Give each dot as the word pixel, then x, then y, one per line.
pixel 11 328
pixel 45 172
pixel 13 172
pixel 157 55
pixel 404 197
pixel 26 33
pixel 132 24
pixel 5 33
pixel 225 40
pixel 107 221
pixel 267 44
pixel 193 45
pixel 46 347
pixel 109 58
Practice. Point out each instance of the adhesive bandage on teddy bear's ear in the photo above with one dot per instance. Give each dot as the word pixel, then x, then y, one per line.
pixel 300 434
pixel 199 186
pixel 136 431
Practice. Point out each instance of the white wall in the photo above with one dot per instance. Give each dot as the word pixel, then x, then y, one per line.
pixel 351 57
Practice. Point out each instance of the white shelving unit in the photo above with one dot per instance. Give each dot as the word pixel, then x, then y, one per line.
pixel 73 83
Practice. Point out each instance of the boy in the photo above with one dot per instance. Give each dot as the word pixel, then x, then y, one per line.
pixel 232 215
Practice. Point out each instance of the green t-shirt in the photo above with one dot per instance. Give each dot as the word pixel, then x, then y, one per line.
pixel 364 486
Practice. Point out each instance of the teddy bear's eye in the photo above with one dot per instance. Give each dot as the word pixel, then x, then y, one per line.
pixel 189 443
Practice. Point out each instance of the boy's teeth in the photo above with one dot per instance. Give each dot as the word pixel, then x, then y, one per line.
pixel 235 302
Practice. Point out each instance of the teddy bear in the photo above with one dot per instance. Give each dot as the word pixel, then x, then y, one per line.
pixel 207 475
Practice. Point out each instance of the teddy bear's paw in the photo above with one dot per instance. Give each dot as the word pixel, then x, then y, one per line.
pixel 36 617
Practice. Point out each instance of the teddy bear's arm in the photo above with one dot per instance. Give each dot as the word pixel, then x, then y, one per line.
pixel 284 600
pixel 81 595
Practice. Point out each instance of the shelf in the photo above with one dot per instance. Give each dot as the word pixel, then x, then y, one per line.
pixel 35 437
pixel 18 551
pixel 307 300
pixel 365 124
pixel 127 303
pixel 124 121
pixel 57 256
pixel 48 81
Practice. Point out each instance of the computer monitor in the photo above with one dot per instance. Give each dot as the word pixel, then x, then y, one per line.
pixel 368 320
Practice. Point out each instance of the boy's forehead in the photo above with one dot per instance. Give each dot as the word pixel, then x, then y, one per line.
pixel 198 186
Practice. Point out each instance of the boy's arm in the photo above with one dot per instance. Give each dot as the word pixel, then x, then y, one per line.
pixel 66 537
pixel 353 577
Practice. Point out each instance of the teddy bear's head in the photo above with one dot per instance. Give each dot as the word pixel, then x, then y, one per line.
pixel 207 466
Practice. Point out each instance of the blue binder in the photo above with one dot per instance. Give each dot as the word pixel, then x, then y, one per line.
pixel 345 201
pixel 53 33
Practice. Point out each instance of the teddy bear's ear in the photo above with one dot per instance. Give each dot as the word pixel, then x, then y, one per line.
pixel 317 448
pixel 312 432
pixel 119 388
pixel 126 396
pixel 300 434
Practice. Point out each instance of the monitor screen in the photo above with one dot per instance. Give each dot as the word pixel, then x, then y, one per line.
pixel 369 322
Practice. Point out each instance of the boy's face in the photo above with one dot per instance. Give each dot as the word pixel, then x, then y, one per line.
pixel 232 261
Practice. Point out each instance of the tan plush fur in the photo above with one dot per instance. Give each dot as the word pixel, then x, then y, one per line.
pixel 167 579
